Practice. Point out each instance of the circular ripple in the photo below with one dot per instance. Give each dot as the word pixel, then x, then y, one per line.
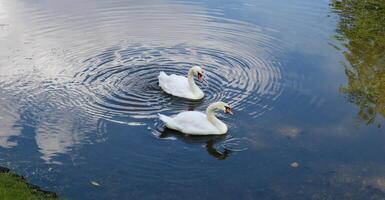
pixel 123 80
pixel 78 68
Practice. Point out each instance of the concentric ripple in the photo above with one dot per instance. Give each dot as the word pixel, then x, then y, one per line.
pixel 79 93
pixel 82 68
pixel 123 80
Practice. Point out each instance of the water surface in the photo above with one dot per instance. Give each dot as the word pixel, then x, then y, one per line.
pixel 79 98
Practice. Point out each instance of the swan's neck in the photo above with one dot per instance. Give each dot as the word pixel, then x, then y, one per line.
pixel 191 81
pixel 213 119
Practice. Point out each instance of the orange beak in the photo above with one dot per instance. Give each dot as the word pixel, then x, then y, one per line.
pixel 228 110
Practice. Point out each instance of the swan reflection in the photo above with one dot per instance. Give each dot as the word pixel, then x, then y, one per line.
pixel 208 141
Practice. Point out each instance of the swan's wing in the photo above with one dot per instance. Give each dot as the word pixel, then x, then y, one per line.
pixel 178 84
pixel 196 123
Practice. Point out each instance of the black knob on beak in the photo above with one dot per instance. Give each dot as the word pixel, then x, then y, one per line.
pixel 200 76
pixel 228 110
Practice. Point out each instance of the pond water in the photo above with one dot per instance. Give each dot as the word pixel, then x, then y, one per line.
pixel 79 98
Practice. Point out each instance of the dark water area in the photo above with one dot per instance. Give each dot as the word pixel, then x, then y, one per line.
pixel 79 98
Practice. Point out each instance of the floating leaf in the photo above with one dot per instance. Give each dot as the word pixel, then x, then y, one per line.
pixel 294 164
pixel 95 183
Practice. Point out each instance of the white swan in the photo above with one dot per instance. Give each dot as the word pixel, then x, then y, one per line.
pixel 181 86
pixel 198 123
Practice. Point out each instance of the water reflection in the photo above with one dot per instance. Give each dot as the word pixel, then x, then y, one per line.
pixel 71 68
pixel 8 127
pixel 209 141
pixel 217 146
pixel 361 29
pixel 75 73
pixel 216 153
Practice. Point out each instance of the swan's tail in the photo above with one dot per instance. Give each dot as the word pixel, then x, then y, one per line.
pixel 163 77
pixel 167 121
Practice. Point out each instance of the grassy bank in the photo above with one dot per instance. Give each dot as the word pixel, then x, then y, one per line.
pixel 15 187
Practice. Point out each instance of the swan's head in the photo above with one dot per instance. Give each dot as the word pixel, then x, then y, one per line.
pixel 225 107
pixel 198 71
pixel 219 105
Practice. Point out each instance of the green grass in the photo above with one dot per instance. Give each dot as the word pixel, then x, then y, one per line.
pixel 14 187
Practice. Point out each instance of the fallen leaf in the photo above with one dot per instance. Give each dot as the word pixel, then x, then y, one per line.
pixel 294 164
pixel 95 183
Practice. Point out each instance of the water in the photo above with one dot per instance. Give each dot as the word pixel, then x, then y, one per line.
pixel 79 98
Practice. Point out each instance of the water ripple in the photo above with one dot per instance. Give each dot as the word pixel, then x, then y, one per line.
pixel 122 80
pixel 101 64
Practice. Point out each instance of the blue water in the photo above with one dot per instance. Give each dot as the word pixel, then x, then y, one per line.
pixel 79 101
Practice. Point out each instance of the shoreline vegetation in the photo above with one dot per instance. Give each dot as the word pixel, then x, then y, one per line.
pixel 16 187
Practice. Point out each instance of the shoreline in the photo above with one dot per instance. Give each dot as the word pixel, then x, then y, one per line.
pixel 33 189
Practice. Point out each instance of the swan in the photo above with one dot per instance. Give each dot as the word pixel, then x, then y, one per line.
pixel 198 123
pixel 181 86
